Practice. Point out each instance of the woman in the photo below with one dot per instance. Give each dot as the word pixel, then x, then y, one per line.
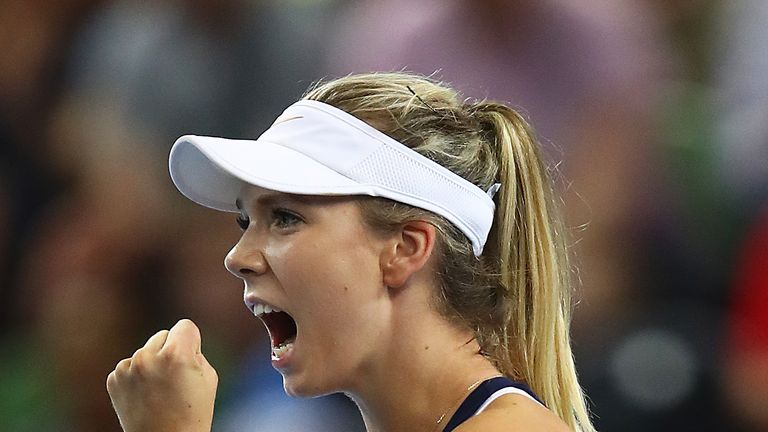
pixel 400 246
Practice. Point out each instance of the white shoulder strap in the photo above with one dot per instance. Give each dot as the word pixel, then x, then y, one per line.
pixel 501 392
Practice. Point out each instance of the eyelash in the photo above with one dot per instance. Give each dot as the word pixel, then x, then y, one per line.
pixel 243 221
pixel 278 219
pixel 279 216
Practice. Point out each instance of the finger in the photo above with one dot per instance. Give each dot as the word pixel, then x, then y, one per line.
pixel 156 341
pixel 122 366
pixel 183 336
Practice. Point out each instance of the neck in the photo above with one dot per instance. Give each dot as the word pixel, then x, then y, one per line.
pixel 417 380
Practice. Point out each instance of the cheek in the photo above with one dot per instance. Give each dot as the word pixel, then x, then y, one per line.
pixel 333 283
pixel 333 264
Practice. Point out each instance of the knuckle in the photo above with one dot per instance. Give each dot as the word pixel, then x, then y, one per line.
pixel 168 354
pixel 123 366
pixel 138 364
pixel 138 354
pixel 171 356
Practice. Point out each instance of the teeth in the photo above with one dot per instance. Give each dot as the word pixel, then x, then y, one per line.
pixel 261 309
pixel 281 349
pixel 258 309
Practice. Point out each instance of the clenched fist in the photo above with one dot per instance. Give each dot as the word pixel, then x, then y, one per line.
pixel 167 385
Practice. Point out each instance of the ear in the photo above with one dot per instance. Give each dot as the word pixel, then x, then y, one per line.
pixel 407 253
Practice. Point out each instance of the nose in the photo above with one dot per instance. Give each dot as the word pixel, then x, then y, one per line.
pixel 245 262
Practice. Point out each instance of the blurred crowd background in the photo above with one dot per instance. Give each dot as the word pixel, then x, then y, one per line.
pixel 653 115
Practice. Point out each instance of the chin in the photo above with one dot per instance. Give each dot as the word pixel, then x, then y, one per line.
pixel 296 387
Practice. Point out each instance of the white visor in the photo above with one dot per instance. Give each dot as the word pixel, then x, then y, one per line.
pixel 316 149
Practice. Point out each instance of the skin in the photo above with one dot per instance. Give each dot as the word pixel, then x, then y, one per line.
pixel 365 325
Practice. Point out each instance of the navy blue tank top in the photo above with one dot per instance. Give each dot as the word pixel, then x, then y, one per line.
pixel 480 396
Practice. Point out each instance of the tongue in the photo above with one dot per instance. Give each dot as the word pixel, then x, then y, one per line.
pixel 281 327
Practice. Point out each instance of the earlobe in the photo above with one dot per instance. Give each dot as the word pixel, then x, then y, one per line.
pixel 408 253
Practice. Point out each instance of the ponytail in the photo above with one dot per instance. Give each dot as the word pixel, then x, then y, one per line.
pixel 529 242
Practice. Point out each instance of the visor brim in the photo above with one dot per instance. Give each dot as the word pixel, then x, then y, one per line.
pixel 212 171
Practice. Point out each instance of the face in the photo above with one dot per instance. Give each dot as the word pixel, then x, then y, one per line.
pixel 313 259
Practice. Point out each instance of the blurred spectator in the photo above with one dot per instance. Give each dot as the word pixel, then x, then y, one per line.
pixel 199 66
pixel 741 74
pixel 746 354
pixel 87 269
pixel 36 36
pixel 34 40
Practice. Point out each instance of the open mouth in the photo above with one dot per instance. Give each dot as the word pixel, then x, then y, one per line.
pixel 280 326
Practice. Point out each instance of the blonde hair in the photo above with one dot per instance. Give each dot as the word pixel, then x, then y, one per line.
pixel 516 295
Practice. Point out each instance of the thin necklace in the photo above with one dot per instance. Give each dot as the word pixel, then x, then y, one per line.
pixel 455 405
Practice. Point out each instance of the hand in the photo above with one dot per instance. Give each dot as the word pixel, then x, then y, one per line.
pixel 167 386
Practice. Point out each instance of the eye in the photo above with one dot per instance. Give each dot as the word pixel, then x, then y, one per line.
pixel 284 219
pixel 243 220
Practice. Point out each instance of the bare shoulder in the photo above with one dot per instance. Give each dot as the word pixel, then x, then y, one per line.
pixel 512 413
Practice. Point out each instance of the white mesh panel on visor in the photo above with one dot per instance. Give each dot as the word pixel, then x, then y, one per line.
pixel 316 149
pixel 395 170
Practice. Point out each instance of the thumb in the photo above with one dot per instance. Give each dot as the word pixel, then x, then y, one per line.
pixel 184 336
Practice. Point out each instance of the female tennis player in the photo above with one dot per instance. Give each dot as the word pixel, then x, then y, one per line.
pixel 401 246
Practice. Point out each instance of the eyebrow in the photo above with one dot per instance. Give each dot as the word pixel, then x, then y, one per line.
pixel 275 197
